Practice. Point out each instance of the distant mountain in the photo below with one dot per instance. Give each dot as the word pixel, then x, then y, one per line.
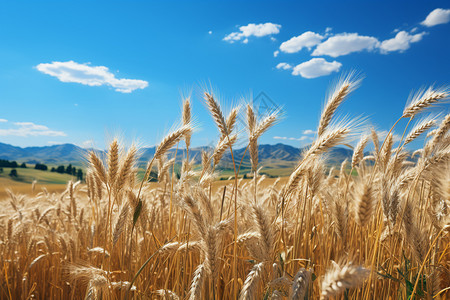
pixel 271 156
pixel 65 153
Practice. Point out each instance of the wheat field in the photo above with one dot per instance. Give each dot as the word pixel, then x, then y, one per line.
pixel 377 228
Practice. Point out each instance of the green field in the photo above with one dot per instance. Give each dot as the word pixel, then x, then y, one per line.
pixel 28 175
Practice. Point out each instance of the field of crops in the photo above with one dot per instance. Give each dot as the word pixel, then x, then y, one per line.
pixel 378 228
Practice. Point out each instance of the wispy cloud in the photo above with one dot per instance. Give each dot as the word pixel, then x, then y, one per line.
pixel 302 138
pixel 345 43
pixel 382 134
pixel 400 42
pixel 71 71
pixel 316 67
pixel 308 131
pixel 87 144
pixel 307 40
pixel 26 129
pixel 284 66
pixel 256 30
pixel 3 120
pixel 436 17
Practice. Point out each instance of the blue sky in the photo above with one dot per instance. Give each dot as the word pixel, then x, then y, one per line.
pixel 83 71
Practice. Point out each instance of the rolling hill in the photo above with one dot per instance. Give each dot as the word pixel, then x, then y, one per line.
pixel 57 154
pixel 270 156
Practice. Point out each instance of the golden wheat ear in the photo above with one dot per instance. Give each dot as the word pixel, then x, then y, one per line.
pixel 340 92
pixel 300 285
pixel 423 99
pixel 216 112
pixel 338 279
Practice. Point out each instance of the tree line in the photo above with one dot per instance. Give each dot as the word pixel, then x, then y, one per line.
pixel 11 164
pixel 71 170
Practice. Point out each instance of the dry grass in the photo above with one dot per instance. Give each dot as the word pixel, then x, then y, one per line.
pixel 196 238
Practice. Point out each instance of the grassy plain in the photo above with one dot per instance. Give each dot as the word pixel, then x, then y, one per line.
pixel 53 182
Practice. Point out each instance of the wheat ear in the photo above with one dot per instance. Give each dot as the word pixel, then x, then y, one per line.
pixel 358 153
pixel 420 128
pixel 98 166
pixel 216 113
pixel 365 205
pixel 300 285
pixel 197 282
pixel 250 287
pixel 344 87
pixel 113 162
pixel 186 119
pixel 338 279
pixel 171 139
pixel 423 99
pixel 121 222
pixel 125 168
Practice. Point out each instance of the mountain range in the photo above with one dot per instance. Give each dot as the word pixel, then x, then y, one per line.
pixel 275 156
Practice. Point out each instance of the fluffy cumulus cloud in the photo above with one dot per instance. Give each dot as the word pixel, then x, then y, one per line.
pixel 71 71
pixel 436 17
pixel 400 42
pixel 307 39
pixel 345 43
pixel 257 30
pixel 316 67
pixel 26 129
pixel 284 66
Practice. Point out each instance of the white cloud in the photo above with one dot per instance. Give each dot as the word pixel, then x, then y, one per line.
pixel 308 131
pixel 275 54
pixel 26 129
pixel 382 134
pixel 87 144
pixel 210 32
pixel 436 17
pixel 284 66
pixel 273 39
pixel 257 30
pixel 345 43
pixel 328 29
pixel 302 138
pixel 400 42
pixel 54 143
pixel 71 71
pixel 307 39
pixel 316 67
pixel 3 120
